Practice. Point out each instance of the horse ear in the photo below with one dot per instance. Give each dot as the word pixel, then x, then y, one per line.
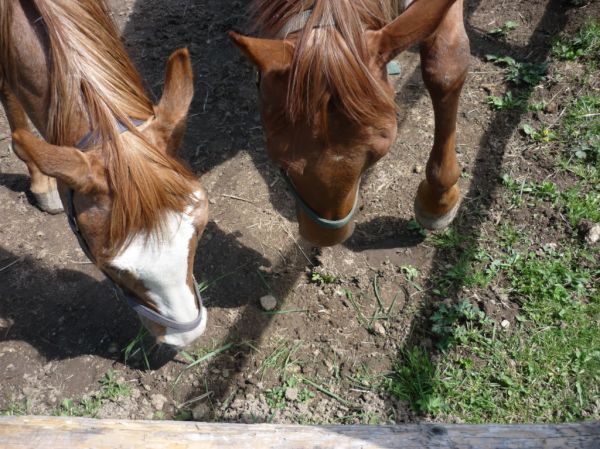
pixel 67 164
pixel 265 54
pixel 414 25
pixel 175 102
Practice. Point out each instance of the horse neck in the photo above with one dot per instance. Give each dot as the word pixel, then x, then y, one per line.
pixel 30 76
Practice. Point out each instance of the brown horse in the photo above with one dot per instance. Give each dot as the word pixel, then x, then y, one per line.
pixel 138 212
pixel 328 106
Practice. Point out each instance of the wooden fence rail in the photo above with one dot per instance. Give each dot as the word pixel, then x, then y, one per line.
pixel 78 433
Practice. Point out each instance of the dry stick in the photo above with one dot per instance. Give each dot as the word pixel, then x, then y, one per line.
pixel 12 263
pixel 233 197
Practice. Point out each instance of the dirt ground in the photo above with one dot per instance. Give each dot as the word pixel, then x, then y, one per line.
pixel 62 329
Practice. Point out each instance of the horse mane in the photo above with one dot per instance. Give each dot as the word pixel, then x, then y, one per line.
pixel 330 63
pixel 92 74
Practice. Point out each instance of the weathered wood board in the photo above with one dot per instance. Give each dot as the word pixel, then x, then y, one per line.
pixel 79 433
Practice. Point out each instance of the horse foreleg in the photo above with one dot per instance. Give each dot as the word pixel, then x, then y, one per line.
pixel 444 64
pixel 43 187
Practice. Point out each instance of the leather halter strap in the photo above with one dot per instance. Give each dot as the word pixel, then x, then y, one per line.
pixel 140 309
pixel 299 21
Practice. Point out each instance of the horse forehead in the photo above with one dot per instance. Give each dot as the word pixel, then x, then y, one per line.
pixel 155 253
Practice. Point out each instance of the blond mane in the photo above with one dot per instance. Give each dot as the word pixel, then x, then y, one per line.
pixel 91 74
pixel 330 62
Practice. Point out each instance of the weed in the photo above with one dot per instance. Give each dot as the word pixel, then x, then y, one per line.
pixel 502 31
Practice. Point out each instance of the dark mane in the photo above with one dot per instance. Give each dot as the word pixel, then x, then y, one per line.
pixel 92 74
pixel 330 62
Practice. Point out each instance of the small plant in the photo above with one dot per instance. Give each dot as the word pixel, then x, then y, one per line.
pixel 447 320
pixel 278 397
pixel 537 106
pixel 503 30
pixel 112 388
pixel 411 273
pixel 322 278
pixel 505 102
pixel 542 135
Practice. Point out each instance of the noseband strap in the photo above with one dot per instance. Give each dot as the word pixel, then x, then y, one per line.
pixel 314 216
pixel 140 309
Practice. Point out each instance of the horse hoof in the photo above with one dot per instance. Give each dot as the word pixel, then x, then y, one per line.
pixel 432 222
pixel 49 202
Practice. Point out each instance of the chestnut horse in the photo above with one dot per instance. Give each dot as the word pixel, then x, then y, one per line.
pixel 327 104
pixel 136 209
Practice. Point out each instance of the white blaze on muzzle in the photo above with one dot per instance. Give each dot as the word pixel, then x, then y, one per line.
pixel 160 263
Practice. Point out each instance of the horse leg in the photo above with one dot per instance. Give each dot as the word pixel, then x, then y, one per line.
pixel 444 65
pixel 43 187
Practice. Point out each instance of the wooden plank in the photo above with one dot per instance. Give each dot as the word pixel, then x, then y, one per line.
pixel 34 432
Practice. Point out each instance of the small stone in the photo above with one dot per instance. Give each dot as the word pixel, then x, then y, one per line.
pixel 212 201
pixel 505 324
pixel 201 412
pixel 291 394
pixel 135 393
pixel 551 108
pixel 378 328
pixel 158 401
pixel 593 235
pixel 418 169
pixel 268 302
pixel 40 234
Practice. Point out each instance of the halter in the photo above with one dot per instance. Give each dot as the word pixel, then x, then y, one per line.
pixel 140 309
pixel 314 216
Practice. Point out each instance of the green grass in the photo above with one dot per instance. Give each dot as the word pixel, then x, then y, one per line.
pixel 415 381
pixel 538 358
pixel 111 390
pixel 15 408
pixel 368 313
pixel 585 44
pixel 581 135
